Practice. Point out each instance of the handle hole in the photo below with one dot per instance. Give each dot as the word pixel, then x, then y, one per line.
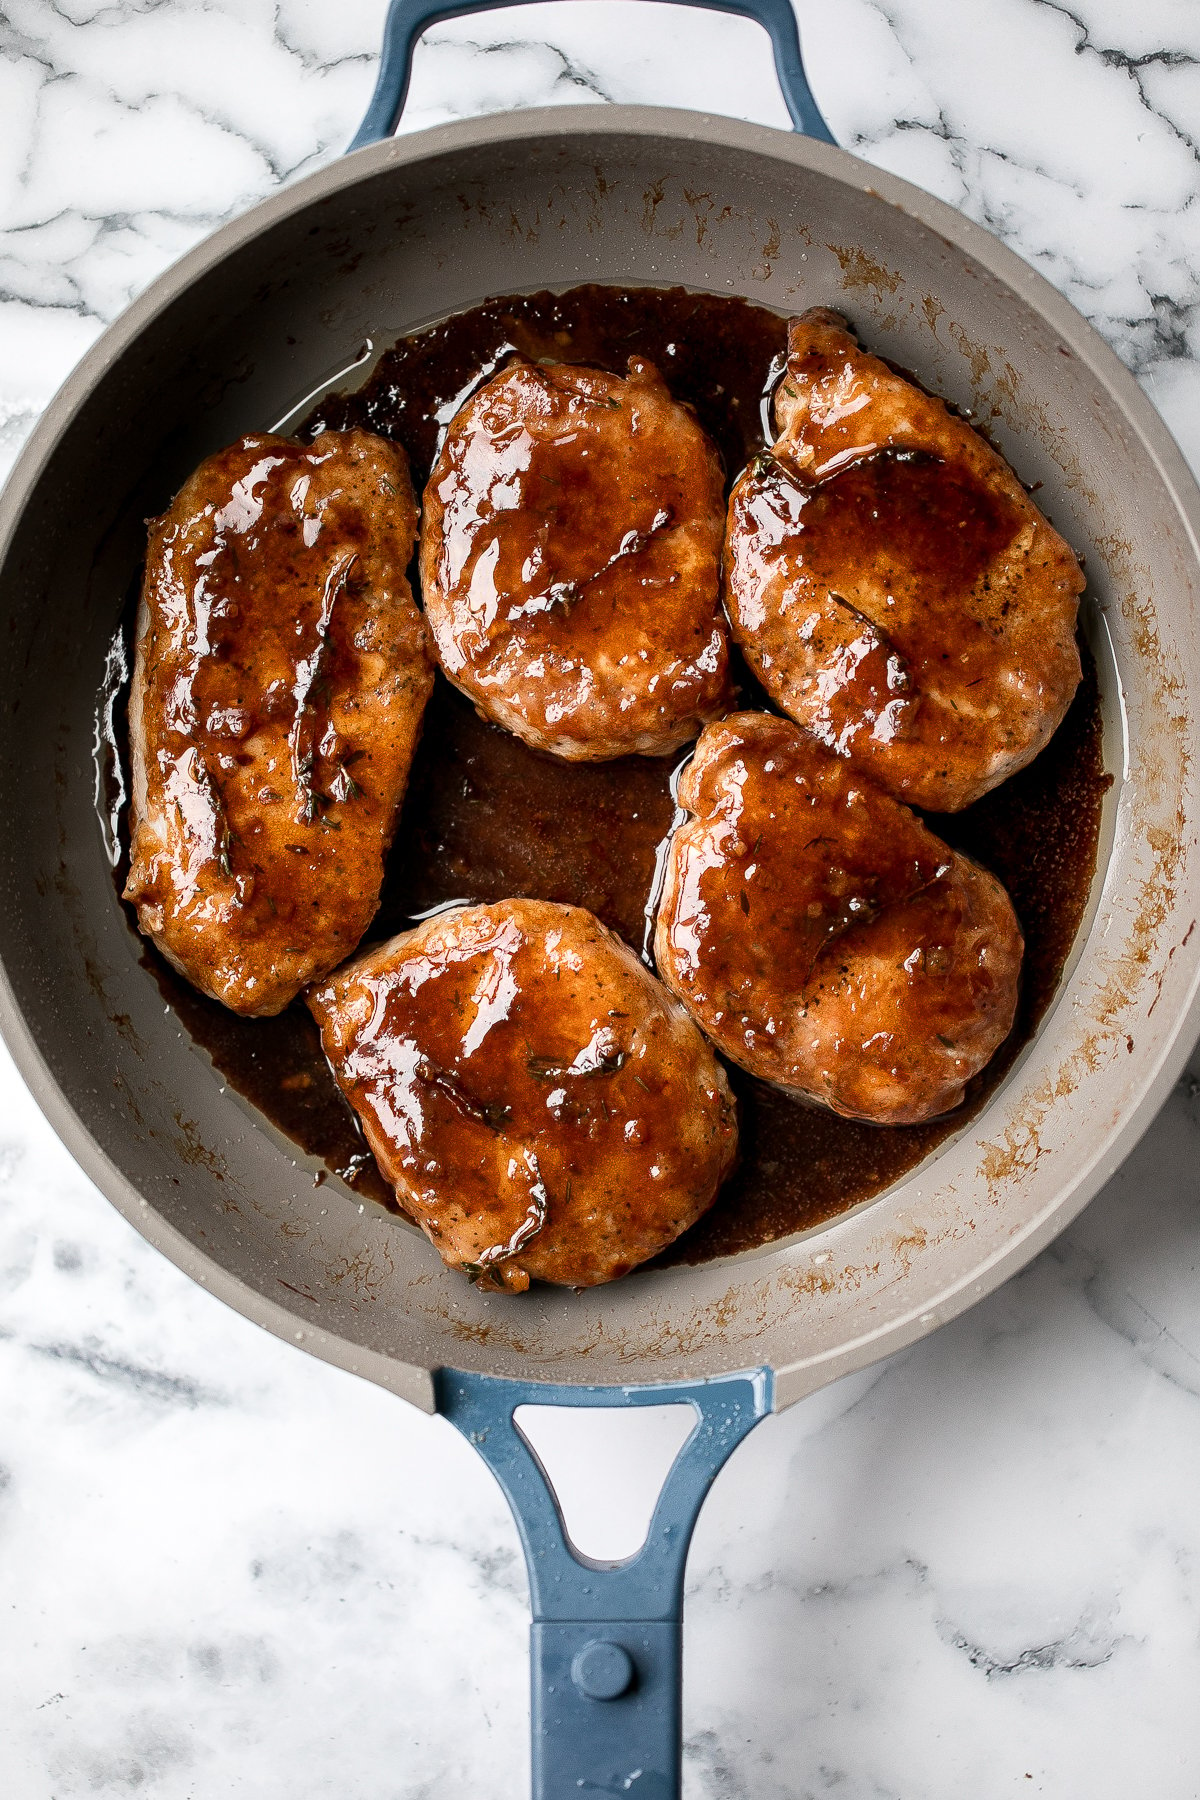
pixel 606 1467
pixel 554 55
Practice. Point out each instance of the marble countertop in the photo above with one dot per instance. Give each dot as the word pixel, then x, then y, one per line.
pixel 229 1569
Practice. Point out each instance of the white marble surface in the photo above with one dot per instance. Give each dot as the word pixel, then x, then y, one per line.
pixel 226 1569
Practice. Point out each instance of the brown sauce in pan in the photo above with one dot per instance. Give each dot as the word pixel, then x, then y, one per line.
pixel 488 818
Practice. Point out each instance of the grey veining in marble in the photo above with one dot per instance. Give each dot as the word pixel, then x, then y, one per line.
pixel 228 1570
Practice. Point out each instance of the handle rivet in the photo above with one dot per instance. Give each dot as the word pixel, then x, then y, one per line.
pixel 602 1670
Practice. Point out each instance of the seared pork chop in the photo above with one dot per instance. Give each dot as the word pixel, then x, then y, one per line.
pixel 542 1106
pixel 570 561
pixel 823 937
pixel 892 585
pixel 280 675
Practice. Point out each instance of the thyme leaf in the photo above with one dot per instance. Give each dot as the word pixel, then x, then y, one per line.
pixel 485 1112
pixel 567 593
pixel 535 1218
pixel 552 1068
pixel 344 786
pixel 225 840
pixel 312 686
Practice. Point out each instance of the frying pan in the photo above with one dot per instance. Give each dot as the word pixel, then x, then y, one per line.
pixel 234 337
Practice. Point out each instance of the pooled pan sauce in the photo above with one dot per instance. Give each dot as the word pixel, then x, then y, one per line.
pixel 487 818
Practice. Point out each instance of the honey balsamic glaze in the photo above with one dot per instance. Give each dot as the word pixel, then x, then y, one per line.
pixel 488 818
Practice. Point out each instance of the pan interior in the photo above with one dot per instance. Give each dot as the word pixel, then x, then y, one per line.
pixel 248 331
pixel 487 818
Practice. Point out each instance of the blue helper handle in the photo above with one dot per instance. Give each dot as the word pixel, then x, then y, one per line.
pixel 606 1639
pixel 407 19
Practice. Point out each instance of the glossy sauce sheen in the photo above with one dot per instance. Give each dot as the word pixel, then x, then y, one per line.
pixel 892 585
pixel 571 561
pixel 487 818
pixel 541 1106
pixel 823 937
pixel 899 509
pixel 281 675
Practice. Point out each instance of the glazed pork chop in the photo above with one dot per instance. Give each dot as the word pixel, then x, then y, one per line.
pixel 542 1106
pixel 280 675
pixel 570 561
pixel 892 585
pixel 823 937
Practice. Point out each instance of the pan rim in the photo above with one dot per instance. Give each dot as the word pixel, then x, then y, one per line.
pixel 633 122
pixel 633 125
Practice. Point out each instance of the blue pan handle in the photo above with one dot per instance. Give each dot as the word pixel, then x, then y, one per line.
pixel 407 19
pixel 606 1639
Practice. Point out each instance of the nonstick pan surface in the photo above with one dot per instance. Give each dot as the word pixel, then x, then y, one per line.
pixel 267 312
